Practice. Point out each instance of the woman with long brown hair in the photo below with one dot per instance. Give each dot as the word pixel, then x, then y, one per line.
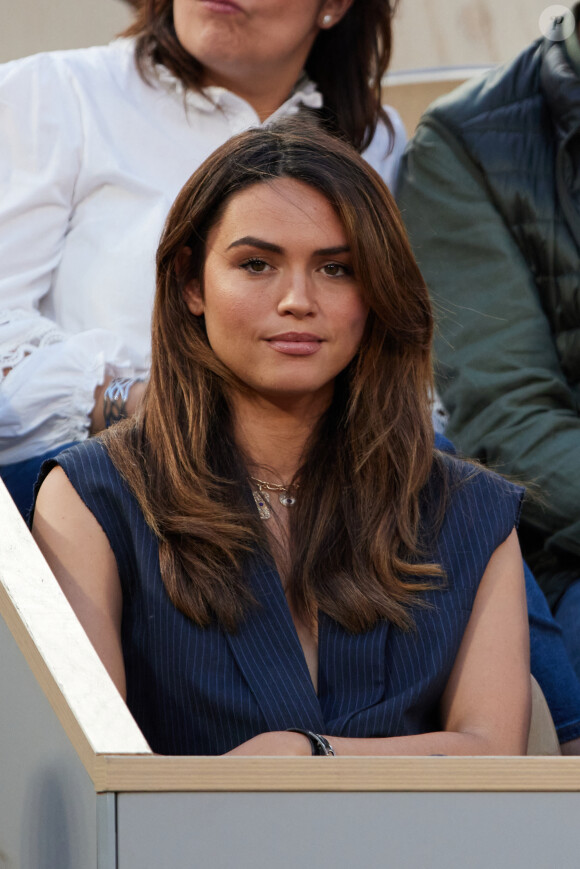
pixel 271 557
pixel 97 143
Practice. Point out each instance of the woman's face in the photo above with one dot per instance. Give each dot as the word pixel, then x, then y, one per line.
pixel 236 38
pixel 282 307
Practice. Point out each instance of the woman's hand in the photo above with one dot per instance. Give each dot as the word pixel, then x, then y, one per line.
pixel 278 743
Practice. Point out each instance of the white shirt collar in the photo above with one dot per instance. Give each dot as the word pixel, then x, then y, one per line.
pixel 212 98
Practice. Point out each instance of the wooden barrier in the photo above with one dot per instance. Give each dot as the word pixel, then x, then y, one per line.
pixel 80 788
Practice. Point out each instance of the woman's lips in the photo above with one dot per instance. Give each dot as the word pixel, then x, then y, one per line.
pixel 296 343
pixel 223 6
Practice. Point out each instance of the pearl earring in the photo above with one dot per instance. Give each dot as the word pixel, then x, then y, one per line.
pixel 326 21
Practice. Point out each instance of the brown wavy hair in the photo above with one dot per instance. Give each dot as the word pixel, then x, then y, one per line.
pixel 347 62
pixel 354 531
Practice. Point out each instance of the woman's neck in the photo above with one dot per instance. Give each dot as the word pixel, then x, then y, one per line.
pixel 273 436
pixel 264 92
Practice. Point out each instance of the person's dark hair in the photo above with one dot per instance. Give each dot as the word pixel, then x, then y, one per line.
pixel 354 530
pixel 347 61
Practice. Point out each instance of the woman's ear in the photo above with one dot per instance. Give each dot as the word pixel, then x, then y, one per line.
pixel 192 294
pixel 332 11
pixel 193 297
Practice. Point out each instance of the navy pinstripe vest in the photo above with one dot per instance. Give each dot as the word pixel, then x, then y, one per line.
pixel 203 691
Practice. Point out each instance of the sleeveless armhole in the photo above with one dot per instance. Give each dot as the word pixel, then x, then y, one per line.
pixel 482 509
pixel 105 493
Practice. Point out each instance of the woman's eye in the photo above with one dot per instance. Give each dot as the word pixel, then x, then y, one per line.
pixel 255 266
pixel 336 270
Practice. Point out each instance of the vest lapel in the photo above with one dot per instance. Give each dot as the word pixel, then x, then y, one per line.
pixel 268 652
pixel 352 674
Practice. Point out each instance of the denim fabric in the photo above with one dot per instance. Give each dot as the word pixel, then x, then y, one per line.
pixel 550 662
pixel 567 615
pixel 20 477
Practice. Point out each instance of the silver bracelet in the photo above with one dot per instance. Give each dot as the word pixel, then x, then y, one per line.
pixel 115 399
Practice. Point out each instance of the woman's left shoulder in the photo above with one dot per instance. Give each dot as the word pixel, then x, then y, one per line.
pixel 475 491
pixel 467 512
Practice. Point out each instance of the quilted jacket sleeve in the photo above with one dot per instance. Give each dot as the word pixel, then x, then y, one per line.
pixel 498 370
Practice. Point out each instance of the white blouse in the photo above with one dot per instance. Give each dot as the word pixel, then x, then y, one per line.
pixel 91 159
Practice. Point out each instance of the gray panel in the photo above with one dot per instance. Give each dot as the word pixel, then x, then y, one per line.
pixel 107 831
pixel 48 814
pixel 330 830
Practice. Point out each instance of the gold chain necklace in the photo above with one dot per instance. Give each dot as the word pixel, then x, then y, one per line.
pixel 262 496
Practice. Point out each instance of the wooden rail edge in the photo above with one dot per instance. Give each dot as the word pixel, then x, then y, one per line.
pixel 340 774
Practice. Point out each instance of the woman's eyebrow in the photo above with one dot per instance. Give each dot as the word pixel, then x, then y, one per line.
pixel 332 251
pixel 252 241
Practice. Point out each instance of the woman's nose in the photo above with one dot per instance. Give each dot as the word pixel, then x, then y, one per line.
pixel 298 296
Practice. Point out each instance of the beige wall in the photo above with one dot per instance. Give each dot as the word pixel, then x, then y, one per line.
pixel 29 26
pixel 428 33
pixel 431 33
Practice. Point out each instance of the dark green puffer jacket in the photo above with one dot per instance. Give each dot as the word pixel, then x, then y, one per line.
pixel 490 193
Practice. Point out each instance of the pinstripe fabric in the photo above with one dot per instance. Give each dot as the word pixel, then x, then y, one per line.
pixel 202 691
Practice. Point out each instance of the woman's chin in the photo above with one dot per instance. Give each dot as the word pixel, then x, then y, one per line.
pixel 296 394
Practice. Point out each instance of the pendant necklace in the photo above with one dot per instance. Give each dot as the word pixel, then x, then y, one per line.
pixel 261 495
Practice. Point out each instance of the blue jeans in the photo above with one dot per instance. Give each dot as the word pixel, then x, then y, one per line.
pixel 20 477
pixel 567 614
pixel 550 661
